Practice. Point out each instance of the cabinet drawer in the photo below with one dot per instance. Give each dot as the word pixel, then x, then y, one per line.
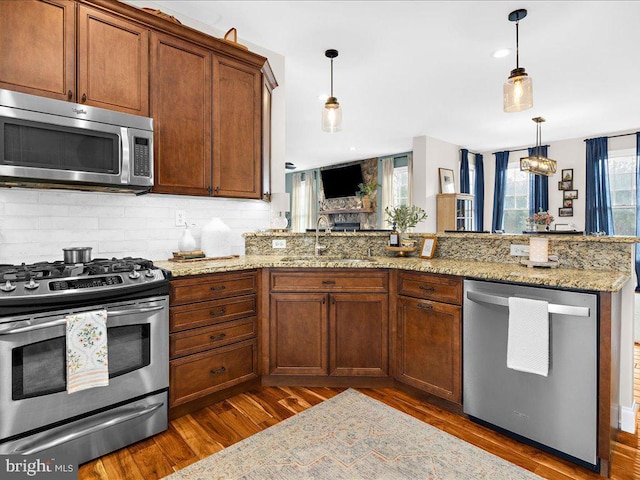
pixel 329 280
pixel 211 287
pixel 439 288
pixel 205 338
pixel 198 375
pixel 210 313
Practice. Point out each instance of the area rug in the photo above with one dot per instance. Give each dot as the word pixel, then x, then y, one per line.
pixel 352 436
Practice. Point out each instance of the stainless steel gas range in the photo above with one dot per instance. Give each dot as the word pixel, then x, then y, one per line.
pixel 37 415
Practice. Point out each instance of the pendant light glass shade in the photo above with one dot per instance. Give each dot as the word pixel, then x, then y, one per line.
pixel 518 89
pixel 331 113
pixel 537 163
pixel 332 116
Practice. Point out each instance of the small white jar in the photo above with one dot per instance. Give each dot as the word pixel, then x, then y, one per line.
pixel 214 240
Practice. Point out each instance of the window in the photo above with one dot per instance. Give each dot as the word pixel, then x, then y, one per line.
pixel 622 184
pixel 516 200
pixel 400 185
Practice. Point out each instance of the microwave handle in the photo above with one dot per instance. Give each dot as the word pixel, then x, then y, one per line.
pixel 125 167
pixel 25 326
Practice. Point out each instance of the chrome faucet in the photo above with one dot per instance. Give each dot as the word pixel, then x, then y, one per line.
pixel 319 247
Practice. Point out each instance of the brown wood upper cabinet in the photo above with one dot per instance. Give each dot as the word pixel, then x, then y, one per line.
pixel 237 129
pixel 181 111
pixel 38 54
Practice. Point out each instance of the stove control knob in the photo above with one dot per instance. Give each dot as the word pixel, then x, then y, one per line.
pixel 134 274
pixel 149 274
pixel 7 287
pixel 32 285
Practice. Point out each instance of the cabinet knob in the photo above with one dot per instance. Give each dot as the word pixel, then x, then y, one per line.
pixel 428 289
pixel 216 190
pixel 213 313
pixel 218 370
pixel 70 95
pixel 424 306
pixel 215 289
pixel 84 97
pixel 214 338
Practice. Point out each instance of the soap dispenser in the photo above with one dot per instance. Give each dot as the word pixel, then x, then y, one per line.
pixel 187 243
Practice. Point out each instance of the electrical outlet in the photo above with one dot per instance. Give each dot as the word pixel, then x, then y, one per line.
pixel 520 250
pixel 181 218
pixel 282 243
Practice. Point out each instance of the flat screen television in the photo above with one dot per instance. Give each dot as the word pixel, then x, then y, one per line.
pixel 341 181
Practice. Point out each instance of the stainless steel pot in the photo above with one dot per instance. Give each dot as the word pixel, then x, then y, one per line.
pixel 77 254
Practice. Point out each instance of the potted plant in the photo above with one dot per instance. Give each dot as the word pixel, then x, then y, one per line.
pixel 405 216
pixel 541 221
pixel 366 192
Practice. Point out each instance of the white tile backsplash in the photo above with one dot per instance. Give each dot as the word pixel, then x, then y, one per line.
pixel 35 225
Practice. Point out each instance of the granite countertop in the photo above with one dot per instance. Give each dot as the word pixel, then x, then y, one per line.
pixel 594 280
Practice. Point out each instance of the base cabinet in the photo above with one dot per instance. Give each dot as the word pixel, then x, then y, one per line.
pixel 213 342
pixel 324 332
pixel 429 333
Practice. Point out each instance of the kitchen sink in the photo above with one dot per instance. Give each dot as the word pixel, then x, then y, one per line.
pixel 311 259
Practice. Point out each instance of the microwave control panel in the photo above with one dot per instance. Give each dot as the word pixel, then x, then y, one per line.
pixel 141 157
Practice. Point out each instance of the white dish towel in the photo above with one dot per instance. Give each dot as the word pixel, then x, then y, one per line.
pixel 87 360
pixel 528 340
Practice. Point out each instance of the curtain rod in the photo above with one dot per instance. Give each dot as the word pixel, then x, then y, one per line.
pixel 614 136
pixel 469 151
pixel 519 149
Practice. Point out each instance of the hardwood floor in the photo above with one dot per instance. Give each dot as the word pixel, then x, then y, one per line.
pixel 192 437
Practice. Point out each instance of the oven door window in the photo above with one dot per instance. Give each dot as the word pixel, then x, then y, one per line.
pixel 40 368
pixel 56 147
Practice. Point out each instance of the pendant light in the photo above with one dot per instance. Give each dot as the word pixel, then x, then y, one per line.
pixel 331 113
pixel 518 89
pixel 537 163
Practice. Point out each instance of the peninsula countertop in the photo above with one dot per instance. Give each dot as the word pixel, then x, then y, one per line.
pixel 570 278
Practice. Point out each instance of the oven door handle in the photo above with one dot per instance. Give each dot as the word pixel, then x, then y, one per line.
pixel 110 419
pixel 16 327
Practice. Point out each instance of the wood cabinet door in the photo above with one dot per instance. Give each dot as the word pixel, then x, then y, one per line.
pixel 429 347
pixel 358 334
pixel 113 62
pixel 237 129
pixel 37 47
pixel 298 334
pixel 181 111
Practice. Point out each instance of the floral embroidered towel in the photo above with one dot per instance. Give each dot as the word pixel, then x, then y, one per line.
pixel 87 362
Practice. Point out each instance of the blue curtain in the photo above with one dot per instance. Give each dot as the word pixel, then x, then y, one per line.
pixel 499 190
pixel 638 209
pixel 538 186
pixel 479 190
pixel 598 215
pixel 464 171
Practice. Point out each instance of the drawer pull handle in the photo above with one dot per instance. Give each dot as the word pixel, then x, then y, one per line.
pixel 217 337
pixel 215 289
pixel 213 313
pixel 218 370
pixel 428 289
pixel 425 307
pixel 328 282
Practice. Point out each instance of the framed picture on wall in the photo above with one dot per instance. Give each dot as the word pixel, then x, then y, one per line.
pixel 567 203
pixel 565 212
pixel 567 175
pixel 570 194
pixel 568 185
pixel 447 184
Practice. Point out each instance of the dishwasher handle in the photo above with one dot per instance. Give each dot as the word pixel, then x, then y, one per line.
pixel 504 302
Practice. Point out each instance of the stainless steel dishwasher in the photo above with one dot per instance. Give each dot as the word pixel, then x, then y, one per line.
pixel 558 412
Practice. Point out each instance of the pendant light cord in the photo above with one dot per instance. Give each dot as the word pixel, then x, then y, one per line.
pixel 517 46
pixel 332 77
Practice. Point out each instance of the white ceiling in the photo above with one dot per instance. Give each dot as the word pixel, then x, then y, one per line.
pixel 410 68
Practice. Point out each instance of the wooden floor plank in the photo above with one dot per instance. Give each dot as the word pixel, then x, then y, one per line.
pixel 174 446
pixel 195 436
pixel 120 464
pixel 152 462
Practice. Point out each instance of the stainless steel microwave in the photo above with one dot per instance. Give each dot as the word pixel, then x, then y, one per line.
pixel 49 143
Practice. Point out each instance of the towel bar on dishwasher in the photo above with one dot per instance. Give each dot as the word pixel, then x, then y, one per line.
pixel 504 302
